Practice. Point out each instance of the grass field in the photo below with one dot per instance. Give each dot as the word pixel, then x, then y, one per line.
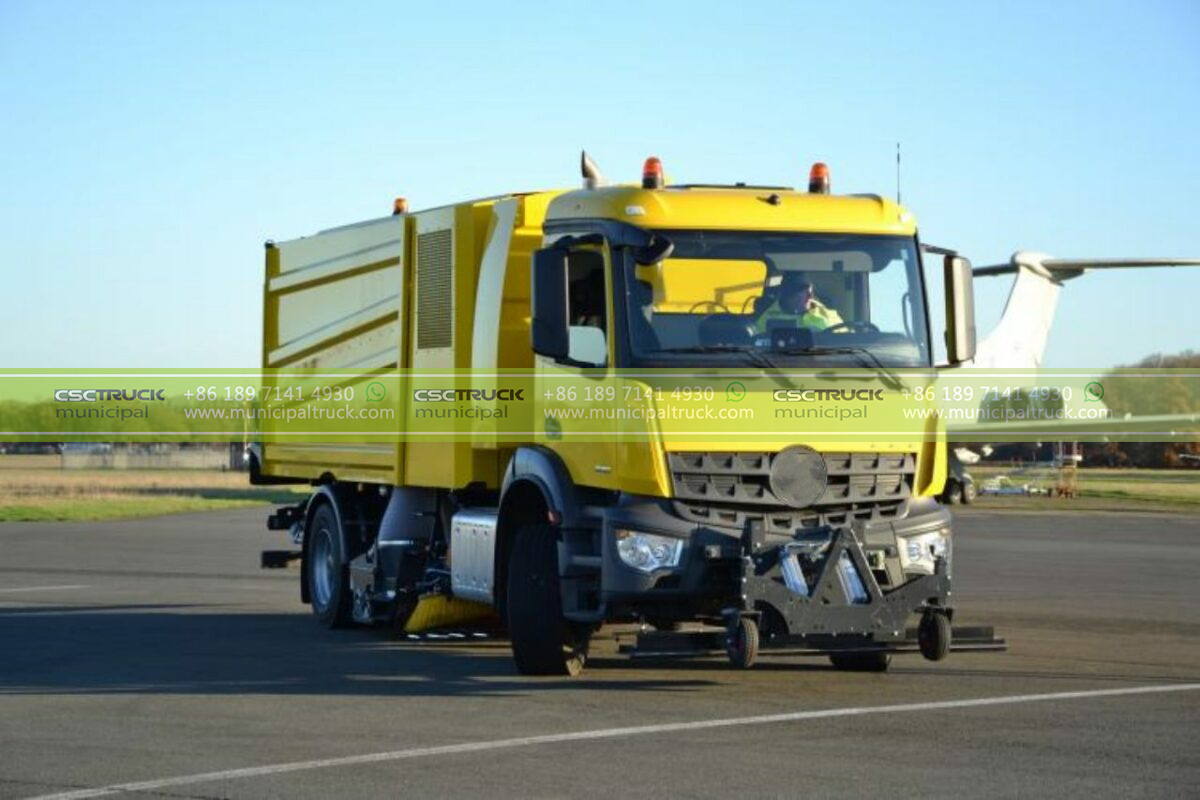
pixel 32 488
pixel 1101 488
pixel 36 493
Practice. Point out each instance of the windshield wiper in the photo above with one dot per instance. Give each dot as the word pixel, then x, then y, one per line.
pixel 864 355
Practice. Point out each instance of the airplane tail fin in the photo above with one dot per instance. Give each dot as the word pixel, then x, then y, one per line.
pixel 1019 340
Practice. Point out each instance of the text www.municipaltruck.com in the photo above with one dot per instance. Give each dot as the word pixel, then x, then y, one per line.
pixel 1007 413
pixel 290 413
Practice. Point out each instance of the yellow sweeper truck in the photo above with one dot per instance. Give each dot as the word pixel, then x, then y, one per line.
pixel 788 545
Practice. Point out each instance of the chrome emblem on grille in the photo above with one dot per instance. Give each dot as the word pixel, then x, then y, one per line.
pixel 798 476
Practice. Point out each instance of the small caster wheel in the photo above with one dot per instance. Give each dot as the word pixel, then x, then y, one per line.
pixel 933 636
pixel 742 644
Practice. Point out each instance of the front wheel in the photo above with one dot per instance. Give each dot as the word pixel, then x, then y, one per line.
pixel 543 642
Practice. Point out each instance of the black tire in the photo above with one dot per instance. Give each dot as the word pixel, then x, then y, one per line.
pixel 933 636
pixel 861 662
pixel 326 569
pixel 742 644
pixel 953 493
pixel 968 493
pixel 543 643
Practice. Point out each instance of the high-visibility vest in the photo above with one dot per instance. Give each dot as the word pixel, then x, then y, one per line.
pixel 818 317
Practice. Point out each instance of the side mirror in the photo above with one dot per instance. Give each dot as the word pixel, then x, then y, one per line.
pixel 549 303
pixel 960 309
pixel 657 249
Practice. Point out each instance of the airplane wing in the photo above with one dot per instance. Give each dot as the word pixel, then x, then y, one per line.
pixel 1062 269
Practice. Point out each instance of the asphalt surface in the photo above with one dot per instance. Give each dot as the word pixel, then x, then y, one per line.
pixel 155 650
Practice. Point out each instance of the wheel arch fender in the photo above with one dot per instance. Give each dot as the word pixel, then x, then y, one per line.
pixel 544 469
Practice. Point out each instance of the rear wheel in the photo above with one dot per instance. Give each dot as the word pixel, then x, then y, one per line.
pixel 861 662
pixel 954 492
pixel 328 576
pixel 543 643
pixel 968 493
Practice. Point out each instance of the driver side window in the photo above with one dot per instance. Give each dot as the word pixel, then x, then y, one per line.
pixel 585 290
pixel 587 307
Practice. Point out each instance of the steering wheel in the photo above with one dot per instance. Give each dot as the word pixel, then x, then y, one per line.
pixel 720 326
pixel 854 326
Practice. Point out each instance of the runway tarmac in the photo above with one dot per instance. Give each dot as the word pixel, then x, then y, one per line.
pixel 153 657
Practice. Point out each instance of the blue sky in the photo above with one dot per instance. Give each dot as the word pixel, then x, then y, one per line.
pixel 149 148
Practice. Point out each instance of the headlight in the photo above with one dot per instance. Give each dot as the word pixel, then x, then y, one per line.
pixel 646 552
pixel 918 553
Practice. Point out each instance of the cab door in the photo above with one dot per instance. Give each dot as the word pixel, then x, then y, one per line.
pixel 576 393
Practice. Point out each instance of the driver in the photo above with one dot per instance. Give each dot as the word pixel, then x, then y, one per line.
pixel 797 303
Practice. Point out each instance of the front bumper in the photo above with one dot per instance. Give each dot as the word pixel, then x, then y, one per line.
pixel 724 569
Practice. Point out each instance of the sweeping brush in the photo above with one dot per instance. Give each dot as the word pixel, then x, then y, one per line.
pixel 437 610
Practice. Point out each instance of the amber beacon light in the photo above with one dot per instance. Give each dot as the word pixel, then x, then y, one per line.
pixel 652 173
pixel 818 178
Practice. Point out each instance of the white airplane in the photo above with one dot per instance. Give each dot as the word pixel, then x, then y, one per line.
pixel 1019 339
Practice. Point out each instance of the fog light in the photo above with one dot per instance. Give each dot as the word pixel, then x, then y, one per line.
pixel 647 552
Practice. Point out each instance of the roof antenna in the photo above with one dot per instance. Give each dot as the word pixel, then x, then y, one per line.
pixel 592 176
pixel 897 173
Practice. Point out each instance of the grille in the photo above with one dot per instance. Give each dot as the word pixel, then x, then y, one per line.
pixel 744 479
pixel 784 522
pixel 434 281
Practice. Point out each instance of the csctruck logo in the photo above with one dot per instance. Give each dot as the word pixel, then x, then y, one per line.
pixel 825 395
pixel 453 395
pixel 106 395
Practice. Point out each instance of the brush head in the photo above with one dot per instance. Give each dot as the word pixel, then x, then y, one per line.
pixel 435 611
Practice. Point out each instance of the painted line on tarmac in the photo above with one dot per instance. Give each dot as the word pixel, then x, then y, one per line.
pixel 43 588
pixel 603 733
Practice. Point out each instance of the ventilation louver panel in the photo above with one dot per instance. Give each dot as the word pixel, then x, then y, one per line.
pixel 435 310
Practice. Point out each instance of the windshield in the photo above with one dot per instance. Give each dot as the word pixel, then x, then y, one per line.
pixel 778 299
